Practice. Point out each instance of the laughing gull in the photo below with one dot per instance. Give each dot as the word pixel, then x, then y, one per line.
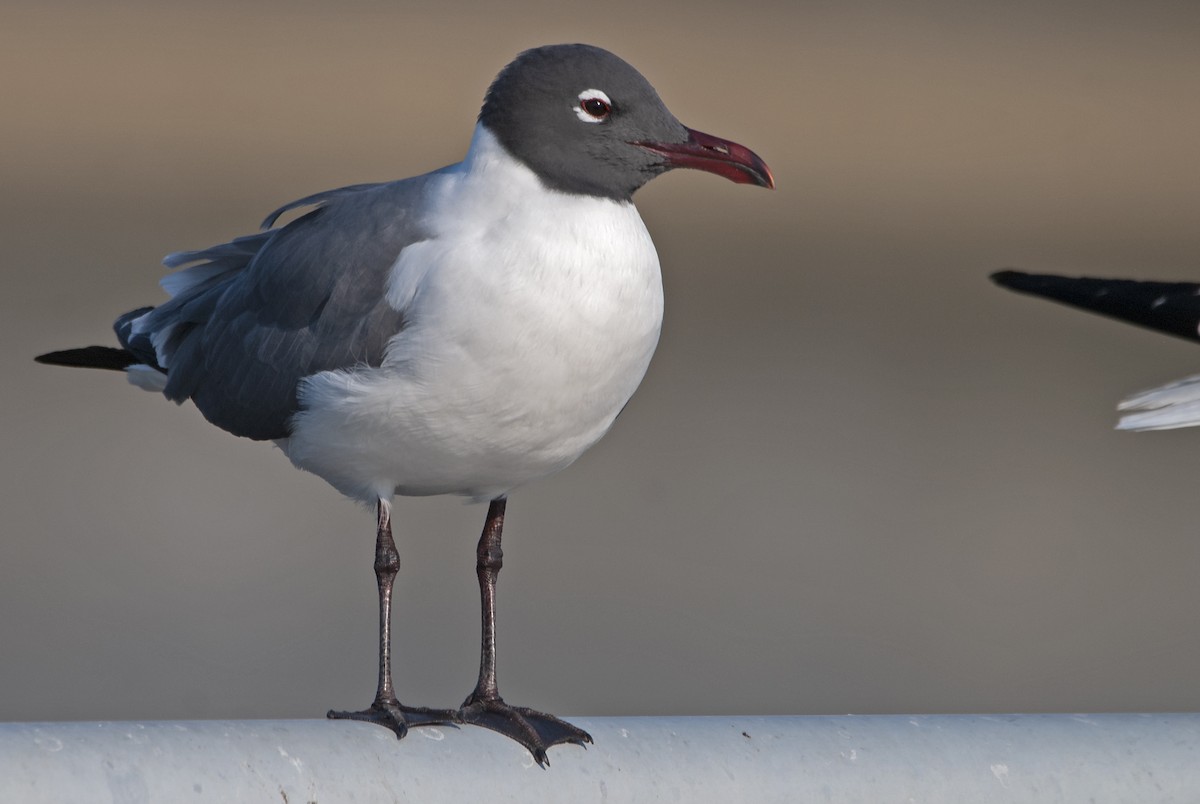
pixel 460 332
pixel 1170 307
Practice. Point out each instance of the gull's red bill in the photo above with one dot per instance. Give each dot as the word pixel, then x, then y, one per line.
pixel 712 154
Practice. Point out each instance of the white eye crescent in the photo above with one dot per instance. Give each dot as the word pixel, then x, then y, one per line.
pixel 594 106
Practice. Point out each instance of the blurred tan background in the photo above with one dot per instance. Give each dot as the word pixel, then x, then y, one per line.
pixel 858 477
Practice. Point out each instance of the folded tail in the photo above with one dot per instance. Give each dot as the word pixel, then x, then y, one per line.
pixel 1170 307
pixel 135 356
pixel 1166 408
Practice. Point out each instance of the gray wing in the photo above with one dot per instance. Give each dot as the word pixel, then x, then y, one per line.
pixel 262 312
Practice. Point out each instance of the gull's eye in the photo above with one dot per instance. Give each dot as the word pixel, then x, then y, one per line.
pixel 594 106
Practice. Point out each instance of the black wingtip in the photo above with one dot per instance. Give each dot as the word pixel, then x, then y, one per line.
pixel 100 357
pixel 1009 278
pixel 1038 284
pixel 1170 307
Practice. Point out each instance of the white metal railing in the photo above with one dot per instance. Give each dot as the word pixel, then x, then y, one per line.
pixel 1137 758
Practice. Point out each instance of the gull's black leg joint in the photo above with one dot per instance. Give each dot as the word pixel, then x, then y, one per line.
pixel 386 710
pixel 537 731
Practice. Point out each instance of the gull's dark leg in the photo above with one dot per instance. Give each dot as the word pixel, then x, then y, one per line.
pixel 386 710
pixel 535 730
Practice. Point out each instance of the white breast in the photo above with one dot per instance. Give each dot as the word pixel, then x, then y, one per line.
pixel 531 319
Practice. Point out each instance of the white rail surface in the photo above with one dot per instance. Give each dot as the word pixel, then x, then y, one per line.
pixel 1142 758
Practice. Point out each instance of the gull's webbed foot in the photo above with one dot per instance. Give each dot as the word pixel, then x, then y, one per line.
pixel 537 731
pixel 397 717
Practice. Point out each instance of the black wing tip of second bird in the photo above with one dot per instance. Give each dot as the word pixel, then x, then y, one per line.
pixel 100 357
pixel 1005 275
pixel 1074 290
pixel 1022 280
pixel 1169 307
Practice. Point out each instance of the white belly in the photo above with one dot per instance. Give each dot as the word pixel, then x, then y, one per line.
pixel 525 338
